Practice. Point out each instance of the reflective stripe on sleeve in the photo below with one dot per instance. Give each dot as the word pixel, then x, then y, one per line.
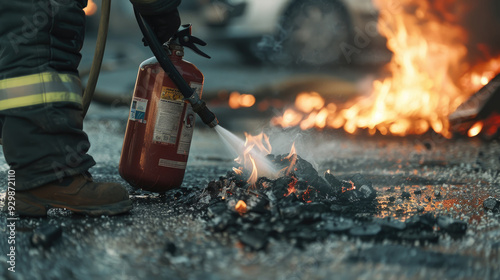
pixel 47 87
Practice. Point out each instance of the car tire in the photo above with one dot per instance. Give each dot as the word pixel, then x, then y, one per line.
pixel 309 33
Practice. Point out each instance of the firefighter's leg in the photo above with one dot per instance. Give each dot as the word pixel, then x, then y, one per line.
pixel 41 110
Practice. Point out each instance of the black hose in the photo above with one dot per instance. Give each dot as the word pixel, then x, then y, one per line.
pixel 98 55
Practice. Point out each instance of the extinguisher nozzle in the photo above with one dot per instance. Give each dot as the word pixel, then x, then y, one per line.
pixel 205 114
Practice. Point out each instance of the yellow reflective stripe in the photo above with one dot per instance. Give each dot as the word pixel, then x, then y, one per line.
pixel 36 79
pixel 48 97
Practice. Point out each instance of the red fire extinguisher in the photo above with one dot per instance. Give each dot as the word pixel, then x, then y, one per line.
pixel 162 115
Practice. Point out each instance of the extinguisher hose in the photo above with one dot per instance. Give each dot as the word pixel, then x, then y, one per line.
pixel 199 106
pixel 98 55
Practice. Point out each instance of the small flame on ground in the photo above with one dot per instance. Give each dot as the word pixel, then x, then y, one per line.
pixel 475 129
pixel 262 144
pixel 292 157
pixel 241 207
pixel 292 152
pixel 238 100
pixel 237 171
pixel 90 9
pixel 253 176
pixel 252 156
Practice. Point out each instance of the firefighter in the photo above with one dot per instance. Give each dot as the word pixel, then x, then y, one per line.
pixel 41 106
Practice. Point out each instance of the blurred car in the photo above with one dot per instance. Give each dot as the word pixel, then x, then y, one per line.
pixel 311 32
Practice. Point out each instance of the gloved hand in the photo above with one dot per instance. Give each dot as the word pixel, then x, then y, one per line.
pixel 164 25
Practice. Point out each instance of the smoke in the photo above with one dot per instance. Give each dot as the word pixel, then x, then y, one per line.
pixel 479 18
pixel 482 22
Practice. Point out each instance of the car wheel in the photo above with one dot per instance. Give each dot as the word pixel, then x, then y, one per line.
pixel 310 33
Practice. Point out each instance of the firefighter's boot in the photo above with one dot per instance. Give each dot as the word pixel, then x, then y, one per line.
pixel 77 193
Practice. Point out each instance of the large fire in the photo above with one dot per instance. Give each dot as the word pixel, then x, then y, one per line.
pixel 430 76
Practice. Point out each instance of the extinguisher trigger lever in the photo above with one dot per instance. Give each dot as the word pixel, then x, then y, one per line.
pixel 184 38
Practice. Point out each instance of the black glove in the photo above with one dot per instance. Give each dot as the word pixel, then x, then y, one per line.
pixel 164 25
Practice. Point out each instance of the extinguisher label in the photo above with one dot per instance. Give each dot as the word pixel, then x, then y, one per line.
pixel 187 128
pixel 168 119
pixel 172 164
pixel 138 110
pixel 168 93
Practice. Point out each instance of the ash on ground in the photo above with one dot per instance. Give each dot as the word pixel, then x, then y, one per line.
pixel 301 206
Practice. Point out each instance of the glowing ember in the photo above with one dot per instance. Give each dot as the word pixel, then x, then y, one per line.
pixel 429 79
pixel 241 207
pixel 90 9
pixel 306 195
pixel 475 129
pixel 352 187
pixel 237 100
pixel 291 187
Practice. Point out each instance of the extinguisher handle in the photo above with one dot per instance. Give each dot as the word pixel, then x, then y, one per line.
pixel 189 93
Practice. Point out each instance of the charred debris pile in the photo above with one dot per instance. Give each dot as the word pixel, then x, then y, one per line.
pixel 301 206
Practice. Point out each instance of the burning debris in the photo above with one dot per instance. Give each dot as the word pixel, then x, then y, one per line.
pixel 291 201
pixel 480 113
pixel 302 206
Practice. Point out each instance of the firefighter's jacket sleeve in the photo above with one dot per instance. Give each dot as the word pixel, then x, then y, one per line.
pixel 155 7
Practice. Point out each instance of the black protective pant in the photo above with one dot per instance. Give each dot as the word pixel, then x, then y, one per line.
pixel 40 92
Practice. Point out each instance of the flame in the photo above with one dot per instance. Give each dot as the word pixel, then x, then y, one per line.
pixel 429 76
pixel 237 100
pixel 253 157
pixel 475 129
pixel 260 141
pixel 90 9
pixel 292 152
pixel 307 102
pixel 253 176
pixel 292 157
pixel 241 207
pixel 237 171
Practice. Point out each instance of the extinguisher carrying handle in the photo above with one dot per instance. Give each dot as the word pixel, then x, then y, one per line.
pixel 199 106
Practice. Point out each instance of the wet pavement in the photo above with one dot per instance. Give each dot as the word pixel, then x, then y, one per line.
pixel 162 238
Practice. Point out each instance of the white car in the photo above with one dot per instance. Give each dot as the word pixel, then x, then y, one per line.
pixel 308 32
